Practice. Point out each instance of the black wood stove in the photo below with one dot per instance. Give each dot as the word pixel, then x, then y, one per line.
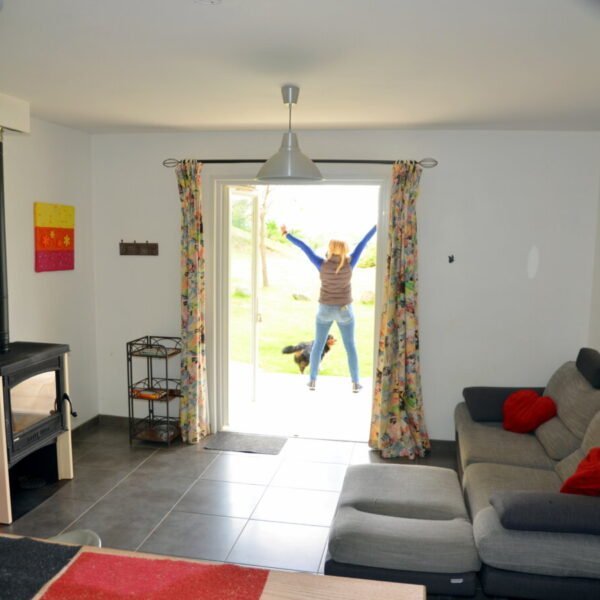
pixel 35 408
pixel 33 385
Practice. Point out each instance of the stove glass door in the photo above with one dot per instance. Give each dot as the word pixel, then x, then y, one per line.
pixel 33 400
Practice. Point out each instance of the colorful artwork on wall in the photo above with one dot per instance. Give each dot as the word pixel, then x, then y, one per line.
pixel 54 237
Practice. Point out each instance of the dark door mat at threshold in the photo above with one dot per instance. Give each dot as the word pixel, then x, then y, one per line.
pixel 27 565
pixel 244 442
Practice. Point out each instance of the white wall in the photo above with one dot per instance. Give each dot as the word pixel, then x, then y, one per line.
pixel 495 199
pixel 52 164
pixel 594 337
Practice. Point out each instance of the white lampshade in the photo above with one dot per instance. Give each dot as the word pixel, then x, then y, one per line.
pixel 289 163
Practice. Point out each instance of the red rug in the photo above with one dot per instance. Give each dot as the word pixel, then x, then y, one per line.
pixel 94 576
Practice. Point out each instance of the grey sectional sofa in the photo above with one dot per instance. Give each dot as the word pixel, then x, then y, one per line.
pixel 517 536
pixel 533 542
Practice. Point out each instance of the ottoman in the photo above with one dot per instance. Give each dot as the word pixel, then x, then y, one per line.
pixel 404 523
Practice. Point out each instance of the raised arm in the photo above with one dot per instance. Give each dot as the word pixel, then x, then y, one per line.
pixel 314 258
pixel 354 257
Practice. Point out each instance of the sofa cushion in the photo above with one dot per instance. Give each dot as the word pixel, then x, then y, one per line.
pixel 539 511
pixel 485 403
pixel 525 410
pixel 557 440
pixel 464 421
pixel 588 363
pixel 567 466
pixel 386 542
pixel 481 480
pixel 591 439
pixel 489 443
pixel 403 517
pixel 556 554
pixel 576 400
pixel 403 490
pixel 586 479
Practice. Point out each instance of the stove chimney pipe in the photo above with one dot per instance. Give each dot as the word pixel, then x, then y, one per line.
pixel 4 337
pixel 14 116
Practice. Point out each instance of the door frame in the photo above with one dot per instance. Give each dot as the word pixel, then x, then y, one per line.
pixel 215 187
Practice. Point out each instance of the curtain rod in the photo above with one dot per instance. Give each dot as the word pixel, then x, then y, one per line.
pixel 426 163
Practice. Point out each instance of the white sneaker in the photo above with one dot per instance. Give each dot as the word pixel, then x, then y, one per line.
pixel 356 387
pixel 312 384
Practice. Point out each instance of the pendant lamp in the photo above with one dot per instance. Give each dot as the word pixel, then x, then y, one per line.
pixel 289 163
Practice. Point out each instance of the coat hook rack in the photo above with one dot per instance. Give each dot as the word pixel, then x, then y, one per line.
pixel 138 248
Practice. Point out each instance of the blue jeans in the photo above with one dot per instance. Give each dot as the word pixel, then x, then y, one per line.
pixel 344 317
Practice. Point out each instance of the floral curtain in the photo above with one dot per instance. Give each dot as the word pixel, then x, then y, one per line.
pixel 193 414
pixel 397 421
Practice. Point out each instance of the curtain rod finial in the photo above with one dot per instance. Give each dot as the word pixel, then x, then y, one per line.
pixel 428 163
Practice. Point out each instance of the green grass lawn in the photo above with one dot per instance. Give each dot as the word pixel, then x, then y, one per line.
pixel 286 321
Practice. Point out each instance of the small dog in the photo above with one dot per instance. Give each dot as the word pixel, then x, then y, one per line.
pixel 302 350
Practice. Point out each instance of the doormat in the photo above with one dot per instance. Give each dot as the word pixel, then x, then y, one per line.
pixel 245 442
pixel 26 565
pixel 94 576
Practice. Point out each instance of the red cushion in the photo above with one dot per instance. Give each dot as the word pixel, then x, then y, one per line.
pixel 586 480
pixel 526 410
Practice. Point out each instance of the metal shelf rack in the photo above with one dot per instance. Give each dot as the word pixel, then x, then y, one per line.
pixel 157 388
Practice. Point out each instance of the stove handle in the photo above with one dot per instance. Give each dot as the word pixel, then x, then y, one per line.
pixel 66 398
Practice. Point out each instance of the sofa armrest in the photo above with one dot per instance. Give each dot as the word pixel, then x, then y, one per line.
pixel 485 403
pixel 547 511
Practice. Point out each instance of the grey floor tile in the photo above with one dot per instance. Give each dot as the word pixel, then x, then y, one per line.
pixel 442 454
pixel 89 483
pixel 243 468
pixel 221 498
pixel 310 475
pixel 49 518
pixel 191 535
pixel 179 445
pixel 80 449
pixel 321 570
pixel 124 527
pixel 307 507
pixel 105 435
pixel 113 423
pixel 123 459
pixel 280 545
pixel 363 455
pixel 176 462
pixel 142 490
pixel 190 502
pixel 81 433
pixel 326 451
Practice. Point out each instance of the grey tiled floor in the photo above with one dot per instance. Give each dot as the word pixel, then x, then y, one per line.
pixel 251 509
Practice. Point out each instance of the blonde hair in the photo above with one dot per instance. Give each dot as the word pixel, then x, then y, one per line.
pixel 338 248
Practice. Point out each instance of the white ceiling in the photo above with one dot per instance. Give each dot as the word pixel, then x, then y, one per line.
pixel 149 65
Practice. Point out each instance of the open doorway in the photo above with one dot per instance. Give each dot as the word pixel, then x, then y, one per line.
pixel 273 292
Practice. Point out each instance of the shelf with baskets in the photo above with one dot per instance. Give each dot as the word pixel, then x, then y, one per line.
pixel 152 414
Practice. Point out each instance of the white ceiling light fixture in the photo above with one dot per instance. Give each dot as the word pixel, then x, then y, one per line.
pixel 289 163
